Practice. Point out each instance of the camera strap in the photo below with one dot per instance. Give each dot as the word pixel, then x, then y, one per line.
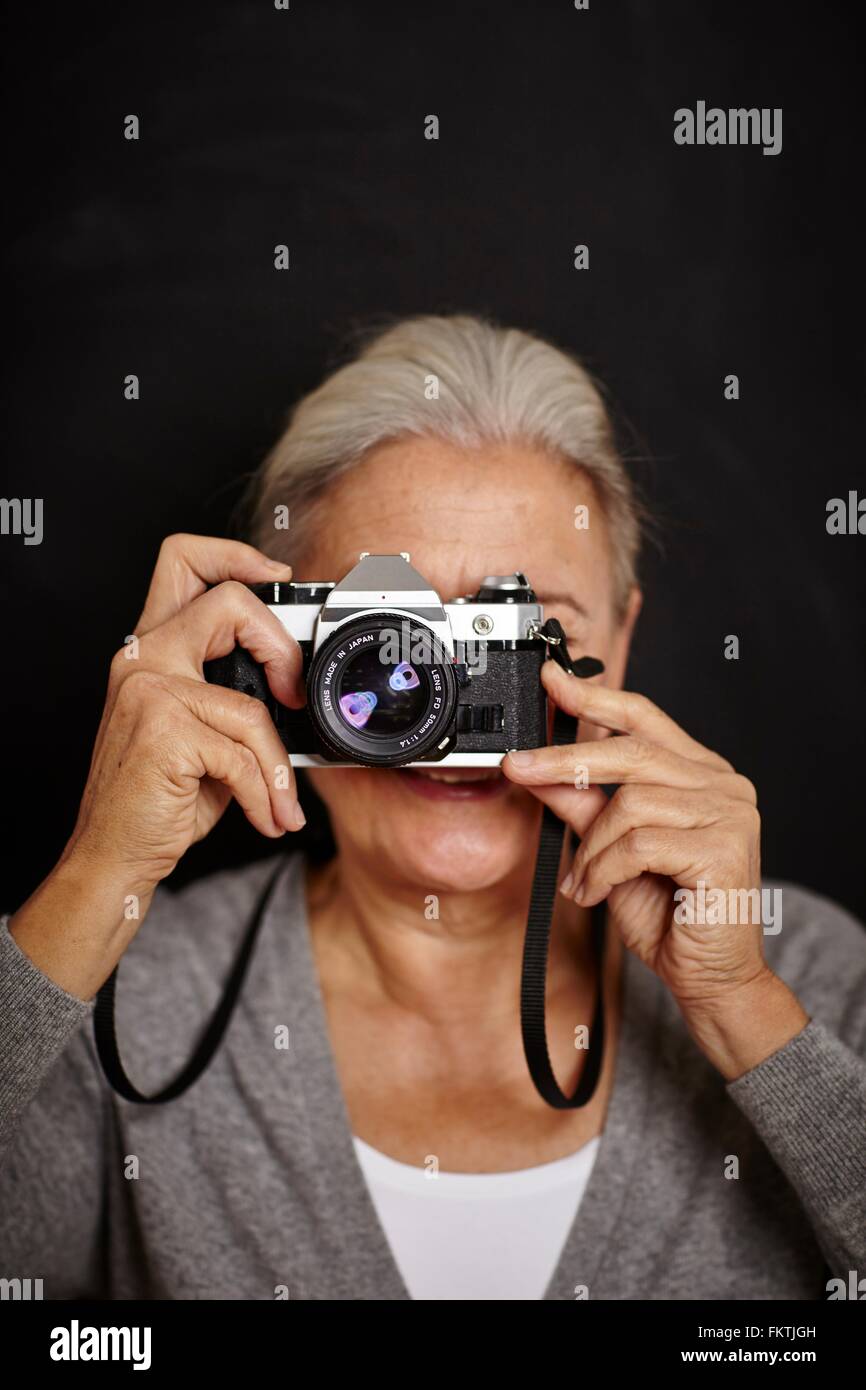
pixel 533 977
pixel 536 946
pixel 106 1035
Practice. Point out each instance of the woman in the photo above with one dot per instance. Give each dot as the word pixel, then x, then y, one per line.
pixel 368 1128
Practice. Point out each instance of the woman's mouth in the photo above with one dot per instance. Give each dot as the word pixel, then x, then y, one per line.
pixel 455 783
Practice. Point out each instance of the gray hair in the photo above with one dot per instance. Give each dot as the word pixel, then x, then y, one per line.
pixel 492 384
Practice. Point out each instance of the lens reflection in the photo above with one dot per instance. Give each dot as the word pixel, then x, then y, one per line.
pixel 385 699
pixel 357 708
pixel 403 677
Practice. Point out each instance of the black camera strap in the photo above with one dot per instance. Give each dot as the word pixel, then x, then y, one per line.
pixel 533 978
pixel 106 1035
pixel 536 945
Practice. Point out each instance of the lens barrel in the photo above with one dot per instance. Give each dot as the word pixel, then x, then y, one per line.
pixel 382 690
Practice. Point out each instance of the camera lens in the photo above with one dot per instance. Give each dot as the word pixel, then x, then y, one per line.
pixel 382 691
pixel 381 697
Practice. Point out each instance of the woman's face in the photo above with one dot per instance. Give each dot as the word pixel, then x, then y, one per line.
pixel 461 515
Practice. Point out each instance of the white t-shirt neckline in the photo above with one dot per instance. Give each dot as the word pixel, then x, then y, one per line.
pixel 486 1236
pixel 542 1177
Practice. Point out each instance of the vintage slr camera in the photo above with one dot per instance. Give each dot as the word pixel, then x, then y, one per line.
pixel 394 677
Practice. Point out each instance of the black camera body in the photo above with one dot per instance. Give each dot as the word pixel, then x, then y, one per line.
pixel 394 677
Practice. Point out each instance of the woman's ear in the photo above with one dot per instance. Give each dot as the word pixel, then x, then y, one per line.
pixel 621 641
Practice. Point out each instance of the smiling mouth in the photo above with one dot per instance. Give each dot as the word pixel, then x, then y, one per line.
pixel 459 774
pixel 454 782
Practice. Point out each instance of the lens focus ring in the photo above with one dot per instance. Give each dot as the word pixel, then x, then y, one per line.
pixel 382 690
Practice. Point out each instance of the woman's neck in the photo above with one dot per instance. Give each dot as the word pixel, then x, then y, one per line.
pixel 435 954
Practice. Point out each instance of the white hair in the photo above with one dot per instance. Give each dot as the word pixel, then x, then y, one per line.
pixel 492 384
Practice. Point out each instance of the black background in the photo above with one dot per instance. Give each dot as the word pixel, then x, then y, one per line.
pixel 306 127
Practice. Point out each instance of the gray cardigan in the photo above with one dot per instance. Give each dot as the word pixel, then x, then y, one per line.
pixel 248 1185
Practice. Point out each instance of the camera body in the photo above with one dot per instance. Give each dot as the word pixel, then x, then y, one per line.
pixel 395 677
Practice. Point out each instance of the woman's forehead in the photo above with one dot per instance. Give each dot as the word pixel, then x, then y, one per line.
pixel 464 514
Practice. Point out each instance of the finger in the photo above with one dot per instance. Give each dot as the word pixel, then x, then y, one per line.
pixel 603 762
pixel 233 764
pixel 622 760
pixel 245 720
pixel 683 855
pixel 623 711
pixel 578 808
pixel 636 805
pixel 212 625
pixel 187 564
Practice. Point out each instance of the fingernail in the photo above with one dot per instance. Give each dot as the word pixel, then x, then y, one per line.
pixel 276 564
pixel 300 819
pixel 522 758
pixel 578 894
pixel 567 884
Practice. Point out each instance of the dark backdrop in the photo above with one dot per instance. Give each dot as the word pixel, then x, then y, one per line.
pixel 306 127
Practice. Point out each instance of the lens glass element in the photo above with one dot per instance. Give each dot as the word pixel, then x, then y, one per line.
pixel 384 699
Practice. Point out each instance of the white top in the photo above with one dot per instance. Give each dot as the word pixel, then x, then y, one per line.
pixel 476 1235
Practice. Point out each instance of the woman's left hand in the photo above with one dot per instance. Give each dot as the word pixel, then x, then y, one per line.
pixel 682 818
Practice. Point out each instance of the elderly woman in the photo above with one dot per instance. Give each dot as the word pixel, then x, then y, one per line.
pixel 368 1128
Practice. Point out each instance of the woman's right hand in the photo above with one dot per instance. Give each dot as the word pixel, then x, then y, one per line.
pixel 170 752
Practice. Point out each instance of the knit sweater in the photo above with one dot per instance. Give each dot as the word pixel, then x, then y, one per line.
pixel 248 1186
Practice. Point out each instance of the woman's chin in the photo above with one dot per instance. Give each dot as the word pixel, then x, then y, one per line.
pixel 446 830
pixel 453 831
pixel 445 867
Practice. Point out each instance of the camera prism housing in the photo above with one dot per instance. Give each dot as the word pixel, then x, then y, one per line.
pixel 395 677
